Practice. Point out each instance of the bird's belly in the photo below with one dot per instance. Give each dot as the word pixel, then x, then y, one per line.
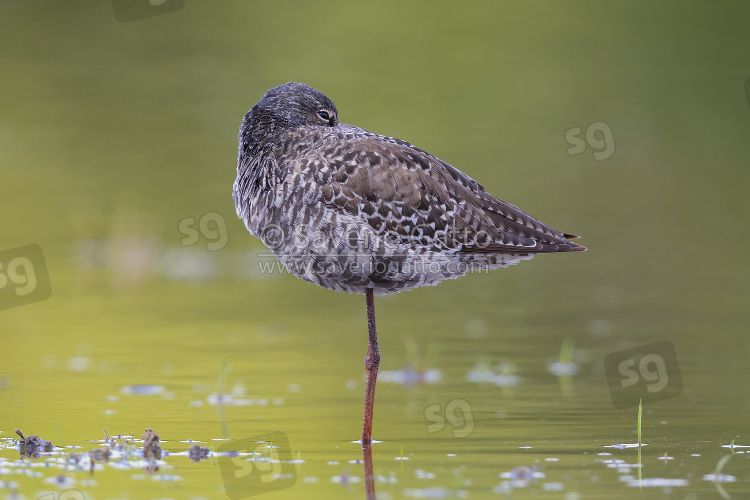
pixel 345 254
pixel 384 268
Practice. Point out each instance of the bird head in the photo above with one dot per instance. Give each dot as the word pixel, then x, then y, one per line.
pixel 296 104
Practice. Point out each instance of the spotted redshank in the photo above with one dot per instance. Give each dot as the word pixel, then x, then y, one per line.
pixel 358 212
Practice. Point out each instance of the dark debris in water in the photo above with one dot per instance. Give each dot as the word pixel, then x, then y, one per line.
pixel 151 451
pixel 98 455
pixel 196 453
pixel 63 467
pixel 120 452
pixel 33 446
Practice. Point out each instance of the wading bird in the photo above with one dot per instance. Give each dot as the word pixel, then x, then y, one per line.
pixel 359 212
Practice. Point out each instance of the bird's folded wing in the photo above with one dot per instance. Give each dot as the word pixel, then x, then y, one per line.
pixel 408 195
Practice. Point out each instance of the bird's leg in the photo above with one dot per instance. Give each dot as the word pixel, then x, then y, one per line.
pixel 372 361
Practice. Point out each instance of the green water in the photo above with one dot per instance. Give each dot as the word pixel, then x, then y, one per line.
pixel 113 133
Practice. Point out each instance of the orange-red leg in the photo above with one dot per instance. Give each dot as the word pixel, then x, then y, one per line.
pixel 372 361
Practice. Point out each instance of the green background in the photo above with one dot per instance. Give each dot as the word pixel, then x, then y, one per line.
pixel 112 133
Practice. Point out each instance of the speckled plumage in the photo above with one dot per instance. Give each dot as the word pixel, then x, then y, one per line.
pixel 348 210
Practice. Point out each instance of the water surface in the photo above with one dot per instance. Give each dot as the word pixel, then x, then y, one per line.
pixel 118 139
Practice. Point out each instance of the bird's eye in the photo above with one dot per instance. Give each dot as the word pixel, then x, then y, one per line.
pixel 324 115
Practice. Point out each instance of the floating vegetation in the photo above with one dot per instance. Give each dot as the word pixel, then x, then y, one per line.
pixel 59 466
pixel 196 453
pixel 624 446
pixel 434 492
pixel 33 446
pixel 142 390
pixel 657 482
pixel 733 446
pixel 219 399
pixel 720 478
pixel 519 477
pixel 148 457
pixel 565 365
pixel 151 451
pixel 502 376
pixel 562 369
pixel 409 376
pixel 416 371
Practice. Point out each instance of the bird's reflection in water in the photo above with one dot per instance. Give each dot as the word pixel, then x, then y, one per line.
pixel 369 477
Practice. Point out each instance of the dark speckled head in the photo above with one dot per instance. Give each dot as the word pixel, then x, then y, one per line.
pixel 296 104
pixel 290 105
